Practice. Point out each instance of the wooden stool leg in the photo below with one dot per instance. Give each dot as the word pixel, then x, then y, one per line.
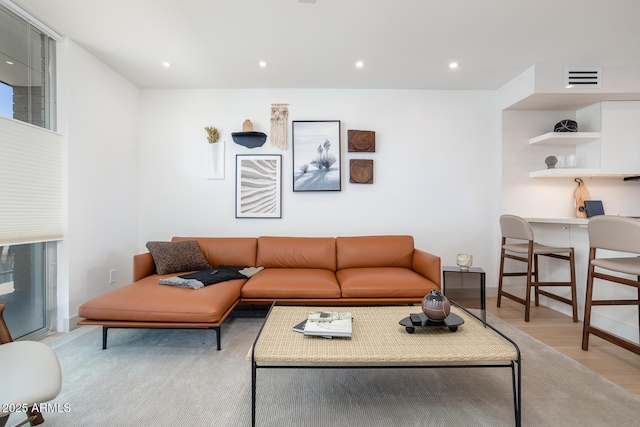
pixel 527 301
pixel 536 279
pixel 574 292
pixel 501 275
pixel 5 335
pixel 587 303
pixel 37 417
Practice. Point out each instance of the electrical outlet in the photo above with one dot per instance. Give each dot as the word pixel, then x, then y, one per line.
pixel 112 276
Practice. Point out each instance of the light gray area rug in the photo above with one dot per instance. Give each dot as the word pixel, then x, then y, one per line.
pixel 176 377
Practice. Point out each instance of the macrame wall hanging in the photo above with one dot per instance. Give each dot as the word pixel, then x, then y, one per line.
pixel 279 120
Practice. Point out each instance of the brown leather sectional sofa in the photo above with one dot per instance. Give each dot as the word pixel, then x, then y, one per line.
pixel 367 270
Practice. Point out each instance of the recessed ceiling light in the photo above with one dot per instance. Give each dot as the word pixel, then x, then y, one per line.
pixel 262 64
pixel 453 65
pixel 166 64
pixel 9 62
pixel 359 64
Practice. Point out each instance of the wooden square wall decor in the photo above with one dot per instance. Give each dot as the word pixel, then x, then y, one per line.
pixel 361 171
pixel 361 141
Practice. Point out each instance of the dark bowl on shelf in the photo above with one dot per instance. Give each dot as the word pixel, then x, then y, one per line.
pixel 249 139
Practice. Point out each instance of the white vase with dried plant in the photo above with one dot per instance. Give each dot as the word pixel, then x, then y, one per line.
pixel 215 154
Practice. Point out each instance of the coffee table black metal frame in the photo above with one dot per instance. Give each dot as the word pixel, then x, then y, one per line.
pixel 514 365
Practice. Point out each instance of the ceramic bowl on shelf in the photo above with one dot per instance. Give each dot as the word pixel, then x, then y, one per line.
pixel 566 125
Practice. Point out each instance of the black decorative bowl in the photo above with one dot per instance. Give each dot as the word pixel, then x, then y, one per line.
pixel 249 139
pixel 566 125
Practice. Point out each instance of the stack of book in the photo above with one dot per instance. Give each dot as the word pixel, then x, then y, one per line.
pixel 327 324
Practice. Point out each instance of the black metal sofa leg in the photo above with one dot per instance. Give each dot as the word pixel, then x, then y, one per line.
pixel 105 329
pixel 104 337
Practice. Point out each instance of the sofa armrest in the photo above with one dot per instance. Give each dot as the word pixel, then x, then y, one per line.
pixel 427 265
pixel 143 266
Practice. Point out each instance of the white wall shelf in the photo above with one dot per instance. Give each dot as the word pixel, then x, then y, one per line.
pixel 577 173
pixel 611 148
pixel 565 138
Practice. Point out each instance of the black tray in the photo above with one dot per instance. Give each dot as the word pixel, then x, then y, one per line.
pixel 452 321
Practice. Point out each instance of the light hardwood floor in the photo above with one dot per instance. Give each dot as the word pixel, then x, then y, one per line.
pixel 558 331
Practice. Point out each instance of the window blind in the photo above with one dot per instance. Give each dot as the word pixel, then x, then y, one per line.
pixel 31 198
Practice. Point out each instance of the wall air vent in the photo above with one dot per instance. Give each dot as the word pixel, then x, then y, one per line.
pixel 584 77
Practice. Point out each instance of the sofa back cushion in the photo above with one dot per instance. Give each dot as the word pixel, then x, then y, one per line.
pixel 297 252
pixel 234 251
pixel 374 251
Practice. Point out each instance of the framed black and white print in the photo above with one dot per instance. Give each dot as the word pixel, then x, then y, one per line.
pixel 316 155
pixel 258 186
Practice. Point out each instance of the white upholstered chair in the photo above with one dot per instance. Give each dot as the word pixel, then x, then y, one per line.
pixel 620 234
pixel 29 374
pixel 518 244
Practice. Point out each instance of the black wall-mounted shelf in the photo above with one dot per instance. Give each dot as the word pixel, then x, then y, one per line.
pixel 249 139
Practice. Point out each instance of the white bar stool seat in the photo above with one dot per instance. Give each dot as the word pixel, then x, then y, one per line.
pixel 29 374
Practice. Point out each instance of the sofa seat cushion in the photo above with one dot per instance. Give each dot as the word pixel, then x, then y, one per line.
pixel 148 301
pixel 383 282
pixel 283 283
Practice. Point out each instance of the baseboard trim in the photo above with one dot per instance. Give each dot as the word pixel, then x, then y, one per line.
pixel 70 323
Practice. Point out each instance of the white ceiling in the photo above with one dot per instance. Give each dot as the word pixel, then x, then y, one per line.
pixel 405 44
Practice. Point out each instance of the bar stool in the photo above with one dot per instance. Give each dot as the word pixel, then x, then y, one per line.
pixel 516 228
pixel 619 234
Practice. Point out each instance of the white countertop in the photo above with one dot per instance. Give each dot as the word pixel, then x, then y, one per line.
pixel 576 221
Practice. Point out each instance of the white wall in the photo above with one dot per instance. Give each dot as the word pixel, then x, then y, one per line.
pixel 436 167
pixel 98 114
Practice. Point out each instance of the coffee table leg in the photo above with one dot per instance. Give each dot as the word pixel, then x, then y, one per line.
pixel 517 403
pixel 483 299
pixel 519 393
pixel 253 394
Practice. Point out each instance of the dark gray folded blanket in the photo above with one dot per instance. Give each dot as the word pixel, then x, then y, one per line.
pixel 221 273
pixel 210 276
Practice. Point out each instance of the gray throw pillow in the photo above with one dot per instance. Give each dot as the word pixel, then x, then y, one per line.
pixel 177 257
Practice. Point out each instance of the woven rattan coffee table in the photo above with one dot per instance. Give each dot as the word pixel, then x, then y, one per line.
pixel 379 341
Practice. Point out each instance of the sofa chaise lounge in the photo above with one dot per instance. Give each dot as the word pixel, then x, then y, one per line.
pixel 363 270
